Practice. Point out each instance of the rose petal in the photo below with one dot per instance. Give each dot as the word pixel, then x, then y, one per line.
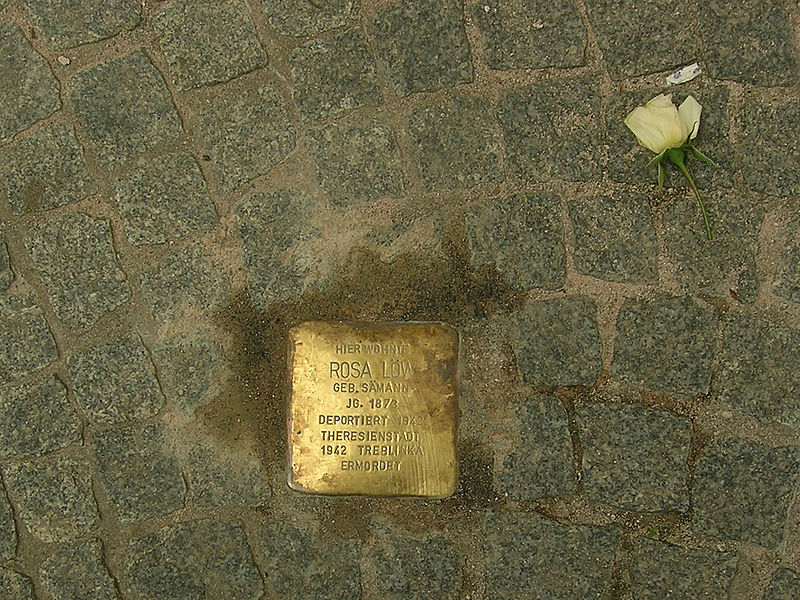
pixel 689 112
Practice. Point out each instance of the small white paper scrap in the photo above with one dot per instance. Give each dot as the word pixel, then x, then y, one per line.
pixel 685 74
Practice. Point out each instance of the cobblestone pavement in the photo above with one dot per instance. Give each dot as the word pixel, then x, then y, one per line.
pixel 182 180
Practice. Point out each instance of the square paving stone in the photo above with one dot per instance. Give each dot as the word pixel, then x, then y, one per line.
pixel 165 201
pixel 557 342
pixel 748 40
pixel 660 571
pixel 785 585
pixel 8 529
pixel 423 45
pixel 529 556
pixel 115 382
pixel 207 41
pixel 334 75
pixel 759 370
pixel 787 280
pixel 37 419
pixel 185 283
pixel 189 561
pixel 78 574
pixel 357 162
pixel 770 147
pixel 247 130
pixel 54 497
pixel 627 162
pixel 553 129
pixel 635 457
pixel 14 586
pixel 665 343
pixel 124 107
pixel 46 170
pixel 330 565
pixel 139 473
pixel 642 37
pixel 27 344
pixel 531 34
pixel 6 274
pixel 290 17
pixel 272 229
pixel 614 238
pixel 426 567
pixel 541 463
pixel 721 266
pixel 218 478
pixel 522 235
pixel 65 24
pixel 75 258
pixel 742 491
pixel 458 143
pixel 191 367
pixel 28 89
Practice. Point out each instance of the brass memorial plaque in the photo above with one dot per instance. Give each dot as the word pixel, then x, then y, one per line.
pixel 373 409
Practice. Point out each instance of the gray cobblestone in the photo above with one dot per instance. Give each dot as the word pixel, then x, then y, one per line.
pixel 138 472
pixel 557 343
pixel 424 567
pixel 748 41
pixel 552 129
pixel 785 585
pixel 63 24
pixel 76 261
pixel 292 18
pixel 8 529
pixel 332 564
pixel 207 42
pixel 218 478
pixel 642 38
pixel 14 586
pixel 271 228
pixel 787 280
pixel 37 419
pixel 541 463
pixel 247 130
pixel 724 267
pixel 357 162
pixel 614 238
pixel 124 107
pixel 759 370
pixel 523 237
pixel 27 344
pixel 334 75
pixel 635 457
pixel 191 367
pixel 6 274
pixel 184 283
pixel 665 343
pixel 770 146
pixel 115 382
pixel 28 89
pixel 660 570
pixel 458 143
pixel 423 45
pixel 530 556
pixel 743 490
pixel 46 170
pixel 78 574
pixel 165 201
pixel 187 561
pixel 53 497
pixel 531 34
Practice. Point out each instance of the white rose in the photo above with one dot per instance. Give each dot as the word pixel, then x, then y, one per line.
pixel 659 125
